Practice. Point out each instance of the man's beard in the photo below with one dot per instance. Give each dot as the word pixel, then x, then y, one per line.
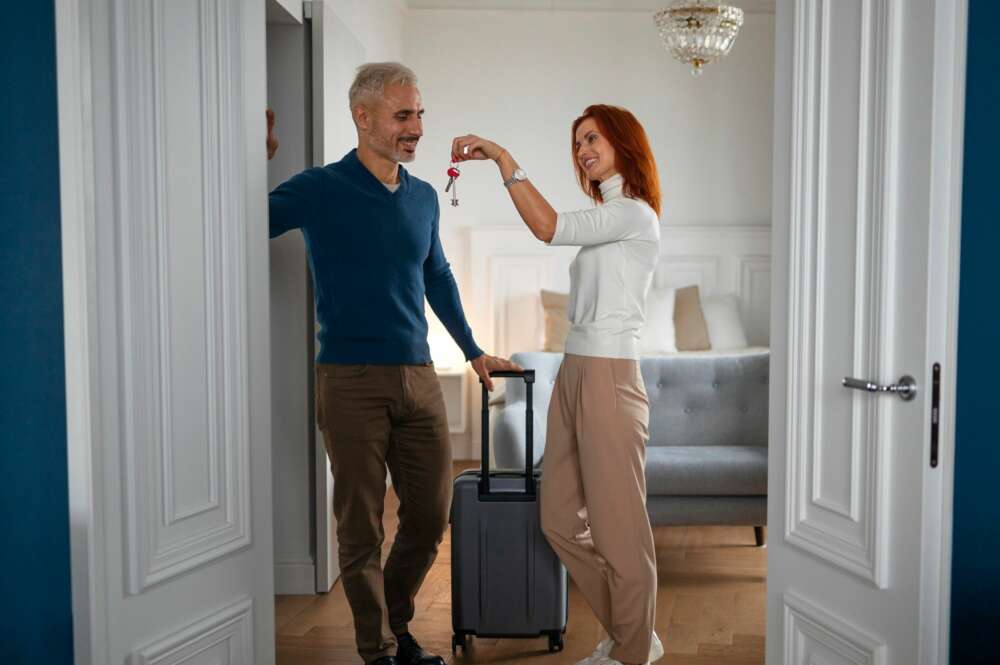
pixel 391 150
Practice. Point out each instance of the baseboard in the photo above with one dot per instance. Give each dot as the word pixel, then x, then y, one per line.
pixel 295 578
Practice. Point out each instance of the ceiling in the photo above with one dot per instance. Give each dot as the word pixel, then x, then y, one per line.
pixel 749 6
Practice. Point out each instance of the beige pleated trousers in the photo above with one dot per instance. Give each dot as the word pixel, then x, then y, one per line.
pixel 593 495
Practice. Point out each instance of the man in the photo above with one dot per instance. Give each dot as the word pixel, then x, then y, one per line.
pixel 371 233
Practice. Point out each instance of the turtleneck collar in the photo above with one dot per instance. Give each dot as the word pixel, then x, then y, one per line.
pixel 611 188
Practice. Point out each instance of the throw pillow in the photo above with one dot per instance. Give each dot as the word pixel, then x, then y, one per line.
pixel 658 333
pixel 556 320
pixel 689 321
pixel 722 316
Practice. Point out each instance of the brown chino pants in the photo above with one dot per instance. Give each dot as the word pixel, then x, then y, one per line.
pixel 593 495
pixel 372 416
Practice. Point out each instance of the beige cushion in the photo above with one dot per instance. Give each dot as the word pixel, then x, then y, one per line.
pixel 556 320
pixel 689 322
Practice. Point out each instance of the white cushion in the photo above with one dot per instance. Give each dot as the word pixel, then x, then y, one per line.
pixel 722 316
pixel 658 335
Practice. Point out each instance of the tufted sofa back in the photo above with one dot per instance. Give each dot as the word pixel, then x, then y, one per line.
pixel 695 399
pixel 710 399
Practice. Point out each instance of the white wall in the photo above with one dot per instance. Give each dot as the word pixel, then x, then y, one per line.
pixel 288 12
pixel 521 77
pixel 291 361
pixel 378 25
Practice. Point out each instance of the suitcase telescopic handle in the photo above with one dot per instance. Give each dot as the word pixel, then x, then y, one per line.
pixel 529 454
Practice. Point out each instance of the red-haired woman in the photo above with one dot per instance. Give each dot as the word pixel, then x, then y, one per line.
pixel 593 490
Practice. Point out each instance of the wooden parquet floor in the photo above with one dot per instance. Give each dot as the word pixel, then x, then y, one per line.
pixel 710 608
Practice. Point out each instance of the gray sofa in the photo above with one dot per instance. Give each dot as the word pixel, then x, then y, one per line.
pixel 706 460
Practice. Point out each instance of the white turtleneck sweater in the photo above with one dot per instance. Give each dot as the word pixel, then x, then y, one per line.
pixel 611 274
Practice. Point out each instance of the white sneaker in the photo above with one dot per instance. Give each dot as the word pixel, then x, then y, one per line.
pixel 601 653
pixel 603 649
pixel 655 649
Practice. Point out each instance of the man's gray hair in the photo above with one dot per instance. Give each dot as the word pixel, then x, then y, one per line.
pixel 371 79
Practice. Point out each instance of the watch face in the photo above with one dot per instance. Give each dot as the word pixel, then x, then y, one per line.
pixel 519 174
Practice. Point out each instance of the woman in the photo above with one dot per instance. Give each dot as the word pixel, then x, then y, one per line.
pixel 593 491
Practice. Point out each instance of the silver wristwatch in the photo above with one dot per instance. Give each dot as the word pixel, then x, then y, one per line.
pixel 517 176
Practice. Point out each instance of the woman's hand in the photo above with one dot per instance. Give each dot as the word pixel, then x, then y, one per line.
pixel 531 205
pixel 470 146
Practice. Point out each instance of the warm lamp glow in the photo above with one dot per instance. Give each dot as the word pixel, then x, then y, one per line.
pixel 444 351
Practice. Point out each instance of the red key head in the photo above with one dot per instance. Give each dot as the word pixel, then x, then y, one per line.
pixel 453 172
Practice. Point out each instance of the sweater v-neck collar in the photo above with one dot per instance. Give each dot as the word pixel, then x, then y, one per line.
pixel 352 159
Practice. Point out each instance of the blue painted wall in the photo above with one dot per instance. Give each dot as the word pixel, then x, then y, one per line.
pixel 35 603
pixel 975 610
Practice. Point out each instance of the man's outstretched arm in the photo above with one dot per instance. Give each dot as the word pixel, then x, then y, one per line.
pixel 442 294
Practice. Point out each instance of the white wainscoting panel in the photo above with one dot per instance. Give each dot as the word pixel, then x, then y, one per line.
pixel 813 636
pixel 508 268
pixel 836 438
pixel 183 293
pixel 754 290
pixel 222 638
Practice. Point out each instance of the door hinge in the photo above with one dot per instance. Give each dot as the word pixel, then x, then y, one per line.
pixel 935 412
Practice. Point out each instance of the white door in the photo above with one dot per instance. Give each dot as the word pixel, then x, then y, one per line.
pixel 857 561
pixel 168 378
pixel 336 54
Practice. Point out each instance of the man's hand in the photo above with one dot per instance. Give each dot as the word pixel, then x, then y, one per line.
pixel 272 140
pixel 486 363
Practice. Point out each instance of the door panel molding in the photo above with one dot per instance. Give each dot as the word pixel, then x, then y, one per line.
pixel 185 438
pixel 813 635
pixel 163 205
pixel 225 636
pixel 834 508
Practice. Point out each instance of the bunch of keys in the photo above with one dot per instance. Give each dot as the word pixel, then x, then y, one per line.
pixel 452 185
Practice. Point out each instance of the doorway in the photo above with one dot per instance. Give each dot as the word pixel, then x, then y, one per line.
pixel 837 299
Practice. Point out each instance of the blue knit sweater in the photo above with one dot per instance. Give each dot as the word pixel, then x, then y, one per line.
pixel 374 255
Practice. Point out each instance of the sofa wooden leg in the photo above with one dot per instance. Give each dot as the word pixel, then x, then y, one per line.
pixel 759 535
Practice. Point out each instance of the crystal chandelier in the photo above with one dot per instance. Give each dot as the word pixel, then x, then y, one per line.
pixel 698 32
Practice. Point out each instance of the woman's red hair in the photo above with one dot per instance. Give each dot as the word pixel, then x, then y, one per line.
pixel 633 157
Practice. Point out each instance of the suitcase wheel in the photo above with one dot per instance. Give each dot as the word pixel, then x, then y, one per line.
pixel 555 642
pixel 459 641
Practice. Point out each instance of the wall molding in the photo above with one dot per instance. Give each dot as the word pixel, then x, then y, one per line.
pixel 507 268
pixel 295 577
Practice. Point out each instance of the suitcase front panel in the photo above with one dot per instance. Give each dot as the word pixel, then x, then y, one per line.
pixel 506 580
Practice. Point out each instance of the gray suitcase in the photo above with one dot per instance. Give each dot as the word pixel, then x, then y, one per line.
pixel 505 579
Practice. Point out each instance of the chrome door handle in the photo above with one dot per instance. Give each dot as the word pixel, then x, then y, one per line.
pixel 906 387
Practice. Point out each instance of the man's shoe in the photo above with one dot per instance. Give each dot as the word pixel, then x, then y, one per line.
pixel 410 653
pixel 385 660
